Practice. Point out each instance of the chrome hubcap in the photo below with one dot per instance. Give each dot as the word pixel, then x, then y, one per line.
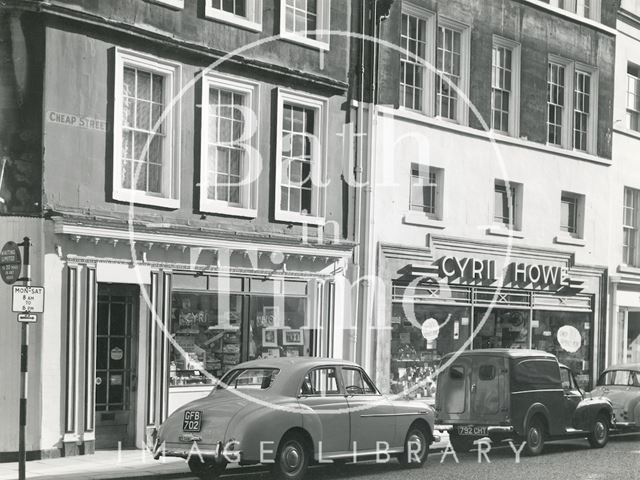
pixel 600 431
pixel 291 457
pixel 534 437
pixel 416 443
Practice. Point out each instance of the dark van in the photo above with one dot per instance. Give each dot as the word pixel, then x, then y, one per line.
pixel 525 395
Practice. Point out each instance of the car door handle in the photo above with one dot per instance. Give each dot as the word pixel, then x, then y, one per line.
pixel 474 387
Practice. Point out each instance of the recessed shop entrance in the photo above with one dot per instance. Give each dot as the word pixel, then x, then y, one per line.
pixel 116 360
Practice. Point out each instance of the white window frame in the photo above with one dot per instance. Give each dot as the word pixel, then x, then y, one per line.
pixel 567 118
pixel 517 198
pixel 635 226
pixel 631 111
pixel 428 75
pixel 175 4
pixel 579 201
pixel 323 23
pixel 248 193
pixel 318 166
pixel 438 194
pixel 253 20
pixel 462 113
pixel 514 100
pixel 172 72
pixel 594 13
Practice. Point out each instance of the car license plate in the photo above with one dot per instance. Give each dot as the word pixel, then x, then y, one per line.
pixel 192 421
pixel 474 430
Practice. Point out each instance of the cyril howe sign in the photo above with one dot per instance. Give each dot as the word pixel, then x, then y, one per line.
pixel 10 263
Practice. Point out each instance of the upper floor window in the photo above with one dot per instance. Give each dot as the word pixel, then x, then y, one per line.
pixel 177 4
pixel 572 105
pixel 426 190
pixel 300 152
pixel 507 204
pixel 306 21
pixel 505 86
pixel 633 97
pixel 146 130
pixel 229 156
pixel 630 226
pixel 243 13
pixel 443 43
pixel 583 8
pixel 571 214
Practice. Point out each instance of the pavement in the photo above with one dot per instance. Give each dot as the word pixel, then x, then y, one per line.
pixel 108 464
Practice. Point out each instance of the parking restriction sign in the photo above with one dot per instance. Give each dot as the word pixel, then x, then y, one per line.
pixel 28 299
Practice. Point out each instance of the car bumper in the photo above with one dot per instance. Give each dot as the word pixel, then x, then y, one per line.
pixel 495 429
pixel 192 448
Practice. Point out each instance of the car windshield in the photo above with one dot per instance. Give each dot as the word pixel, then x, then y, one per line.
pixel 623 378
pixel 253 378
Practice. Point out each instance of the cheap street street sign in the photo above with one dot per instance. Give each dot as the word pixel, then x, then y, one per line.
pixel 28 299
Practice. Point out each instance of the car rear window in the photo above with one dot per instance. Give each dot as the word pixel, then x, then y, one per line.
pixel 535 375
pixel 620 377
pixel 253 378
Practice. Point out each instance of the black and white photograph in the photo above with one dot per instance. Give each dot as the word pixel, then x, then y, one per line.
pixel 320 239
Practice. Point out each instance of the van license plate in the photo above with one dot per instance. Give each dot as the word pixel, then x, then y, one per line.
pixel 474 430
pixel 192 421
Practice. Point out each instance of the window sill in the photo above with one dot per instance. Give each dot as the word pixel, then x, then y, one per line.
pixel 308 42
pixel 572 16
pixel 235 20
pixel 628 269
pixel 422 220
pixel 627 131
pixel 140 198
pixel 292 217
pixel 492 136
pixel 504 232
pixel 564 239
pixel 221 208
pixel 175 4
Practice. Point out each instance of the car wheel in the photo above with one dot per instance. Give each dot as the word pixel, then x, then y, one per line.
pixel 534 436
pixel 599 435
pixel 416 448
pixel 292 458
pixel 206 470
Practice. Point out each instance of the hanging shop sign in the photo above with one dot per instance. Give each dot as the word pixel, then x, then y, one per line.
pixel 514 273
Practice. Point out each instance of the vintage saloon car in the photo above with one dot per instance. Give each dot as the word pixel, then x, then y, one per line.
pixel 525 395
pixel 621 385
pixel 291 412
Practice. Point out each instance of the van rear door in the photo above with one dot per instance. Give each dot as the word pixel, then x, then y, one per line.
pixel 452 394
pixel 489 390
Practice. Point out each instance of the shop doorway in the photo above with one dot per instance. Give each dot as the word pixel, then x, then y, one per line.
pixel 116 361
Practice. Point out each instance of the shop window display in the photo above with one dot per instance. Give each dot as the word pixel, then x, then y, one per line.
pixel 207 328
pixel 568 336
pixel 418 344
pixel 503 328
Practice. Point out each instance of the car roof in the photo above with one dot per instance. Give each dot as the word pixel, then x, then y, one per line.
pixel 507 352
pixel 624 366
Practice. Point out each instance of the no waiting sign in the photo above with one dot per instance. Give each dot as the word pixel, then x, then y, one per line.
pixel 28 299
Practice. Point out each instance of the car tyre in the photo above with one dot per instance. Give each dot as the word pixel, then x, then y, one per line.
pixel 599 435
pixel 534 436
pixel 207 470
pixel 292 458
pixel 416 437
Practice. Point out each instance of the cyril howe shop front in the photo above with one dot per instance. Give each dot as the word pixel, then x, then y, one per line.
pixel 451 297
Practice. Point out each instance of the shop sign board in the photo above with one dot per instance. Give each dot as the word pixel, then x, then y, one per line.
pixel 10 263
pixel 473 269
pixel 28 299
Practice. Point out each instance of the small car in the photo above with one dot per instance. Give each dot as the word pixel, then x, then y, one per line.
pixel 524 395
pixel 290 412
pixel 621 385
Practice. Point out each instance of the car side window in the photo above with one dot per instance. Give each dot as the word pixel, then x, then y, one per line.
pixel 567 379
pixel 320 381
pixel 487 372
pixel 634 381
pixel 356 383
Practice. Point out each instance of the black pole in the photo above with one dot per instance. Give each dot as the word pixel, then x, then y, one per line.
pixel 24 362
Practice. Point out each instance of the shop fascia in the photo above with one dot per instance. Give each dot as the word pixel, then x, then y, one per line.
pixel 473 269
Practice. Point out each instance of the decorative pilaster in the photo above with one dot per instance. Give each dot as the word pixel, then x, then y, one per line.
pixel 71 430
pixel 90 359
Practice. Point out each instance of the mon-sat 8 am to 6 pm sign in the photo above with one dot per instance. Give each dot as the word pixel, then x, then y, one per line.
pixel 28 299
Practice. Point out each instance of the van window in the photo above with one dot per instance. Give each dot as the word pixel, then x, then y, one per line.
pixel 535 375
pixel 487 372
pixel 456 372
pixel 454 390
